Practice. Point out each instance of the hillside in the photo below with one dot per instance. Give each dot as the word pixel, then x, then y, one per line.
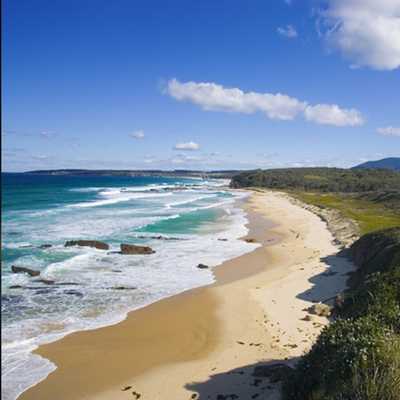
pixel 320 179
pixel 393 163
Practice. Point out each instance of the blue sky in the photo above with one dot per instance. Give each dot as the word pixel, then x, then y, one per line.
pixel 199 85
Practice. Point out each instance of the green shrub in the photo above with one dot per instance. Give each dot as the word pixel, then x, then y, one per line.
pixel 345 362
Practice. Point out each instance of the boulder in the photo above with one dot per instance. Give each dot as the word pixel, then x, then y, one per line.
pixel 45 246
pixel 133 249
pixel 89 243
pixel 275 372
pixel 18 270
pixel 202 266
pixel 322 310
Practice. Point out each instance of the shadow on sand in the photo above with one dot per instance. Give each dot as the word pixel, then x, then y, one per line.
pixel 243 383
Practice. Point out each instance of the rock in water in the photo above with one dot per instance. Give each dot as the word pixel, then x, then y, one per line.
pixel 202 266
pixel 18 270
pixel 90 243
pixel 133 249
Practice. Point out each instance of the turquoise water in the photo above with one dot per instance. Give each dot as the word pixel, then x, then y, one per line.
pixel 181 219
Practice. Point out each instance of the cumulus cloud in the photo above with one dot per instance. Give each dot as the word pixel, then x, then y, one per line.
pixel 187 146
pixel 137 134
pixel 48 135
pixel 289 31
pixel 366 31
pixel 213 97
pixel 389 131
pixel 325 114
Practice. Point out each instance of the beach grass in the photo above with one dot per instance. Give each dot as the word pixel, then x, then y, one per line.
pixel 370 211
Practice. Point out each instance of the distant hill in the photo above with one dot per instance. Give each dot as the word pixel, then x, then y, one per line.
pixel 393 162
pixel 320 179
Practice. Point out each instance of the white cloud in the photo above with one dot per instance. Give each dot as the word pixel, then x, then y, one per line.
pixel 289 32
pixel 186 146
pixel 137 134
pixel 48 135
pixel 366 31
pixel 389 131
pixel 74 145
pixel 213 97
pixel 325 114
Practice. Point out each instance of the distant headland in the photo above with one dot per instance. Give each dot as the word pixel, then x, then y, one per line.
pixel 111 172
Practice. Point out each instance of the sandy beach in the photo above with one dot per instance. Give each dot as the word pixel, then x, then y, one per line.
pixel 206 343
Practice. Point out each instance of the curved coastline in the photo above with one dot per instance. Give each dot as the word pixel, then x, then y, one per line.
pixel 207 341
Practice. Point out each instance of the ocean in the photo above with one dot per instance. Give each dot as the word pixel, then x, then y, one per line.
pixel 185 221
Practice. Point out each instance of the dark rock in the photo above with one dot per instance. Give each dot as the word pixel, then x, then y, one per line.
pixel 45 246
pixel 250 240
pixel 16 287
pixel 122 288
pixel 18 270
pixel 202 266
pixel 46 281
pixel 222 240
pixel 89 243
pixel 133 249
pixel 73 292
pixel 275 372
pixel 43 291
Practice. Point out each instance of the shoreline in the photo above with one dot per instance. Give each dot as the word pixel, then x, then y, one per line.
pixel 207 341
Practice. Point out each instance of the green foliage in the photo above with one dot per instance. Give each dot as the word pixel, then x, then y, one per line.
pixel 321 179
pixel 344 349
pixel 379 297
pixel 371 211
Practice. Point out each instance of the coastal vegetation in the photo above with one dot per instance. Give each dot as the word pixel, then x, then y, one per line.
pixel 357 356
pixel 321 179
pixel 370 197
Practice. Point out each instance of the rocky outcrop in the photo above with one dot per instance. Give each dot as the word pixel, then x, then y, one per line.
pixel 89 243
pixel 320 309
pixel 18 270
pixel 45 246
pixel 274 372
pixel 133 249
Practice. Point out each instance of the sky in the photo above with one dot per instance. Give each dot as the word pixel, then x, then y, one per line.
pixel 199 84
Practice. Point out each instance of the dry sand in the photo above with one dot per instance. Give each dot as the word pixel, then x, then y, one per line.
pixel 206 342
